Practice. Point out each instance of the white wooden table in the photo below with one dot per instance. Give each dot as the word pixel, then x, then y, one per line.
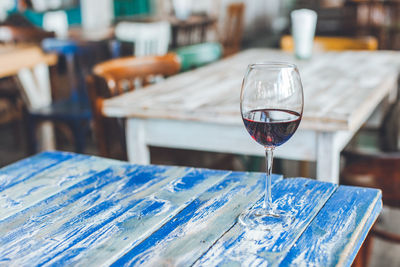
pixel 200 109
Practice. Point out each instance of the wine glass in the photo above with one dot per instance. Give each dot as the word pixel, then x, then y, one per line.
pixel 271 104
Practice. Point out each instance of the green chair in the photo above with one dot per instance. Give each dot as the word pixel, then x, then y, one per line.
pixel 197 55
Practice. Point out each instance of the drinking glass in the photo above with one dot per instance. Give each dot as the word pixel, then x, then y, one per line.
pixel 271 104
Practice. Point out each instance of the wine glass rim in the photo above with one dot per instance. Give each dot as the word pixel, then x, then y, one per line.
pixel 273 65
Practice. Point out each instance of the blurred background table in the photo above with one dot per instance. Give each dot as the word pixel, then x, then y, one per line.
pixel 16 57
pixel 199 109
pixel 80 34
pixel 72 209
pixel 192 30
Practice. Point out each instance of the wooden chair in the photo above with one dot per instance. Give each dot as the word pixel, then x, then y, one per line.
pixel 150 38
pixel 377 18
pixel 193 30
pixel 233 28
pixel 378 170
pixel 115 77
pixel 72 110
pixel 334 43
pixel 11 104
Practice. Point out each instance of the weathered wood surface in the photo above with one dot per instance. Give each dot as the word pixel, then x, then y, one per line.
pixel 341 239
pixel 341 89
pixel 305 199
pixel 68 209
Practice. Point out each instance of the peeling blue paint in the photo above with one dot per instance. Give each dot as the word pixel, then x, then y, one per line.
pixel 63 209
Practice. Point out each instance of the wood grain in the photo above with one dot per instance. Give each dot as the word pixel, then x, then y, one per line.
pixel 189 234
pixel 334 84
pixel 301 198
pixel 110 210
pixel 69 209
pixel 59 174
pixel 17 173
pixel 341 241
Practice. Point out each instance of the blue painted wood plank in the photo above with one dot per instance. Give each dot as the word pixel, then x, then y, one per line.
pixel 336 234
pixel 49 181
pixel 82 210
pixel 100 218
pixel 191 232
pixel 364 232
pixel 302 197
pixel 25 169
pixel 143 219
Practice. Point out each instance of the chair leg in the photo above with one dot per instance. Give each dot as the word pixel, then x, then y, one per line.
pixel 79 129
pixel 30 134
pixel 368 244
pixel 115 48
pixel 16 126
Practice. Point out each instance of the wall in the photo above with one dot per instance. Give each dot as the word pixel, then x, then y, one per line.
pixel 262 17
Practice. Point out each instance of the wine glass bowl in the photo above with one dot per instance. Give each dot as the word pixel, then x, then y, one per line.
pixel 271 105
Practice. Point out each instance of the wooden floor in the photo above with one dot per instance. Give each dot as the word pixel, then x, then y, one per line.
pixel 383 254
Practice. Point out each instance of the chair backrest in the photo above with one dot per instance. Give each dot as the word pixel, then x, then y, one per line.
pixel 114 77
pixel 326 43
pixel 148 38
pixel 197 55
pixel 378 18
pixel 16 34
pixel 69 50
pixel 233 28
pixel 60 46
pixel 121 74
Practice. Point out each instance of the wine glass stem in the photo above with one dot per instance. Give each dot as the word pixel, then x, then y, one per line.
pixel 267 198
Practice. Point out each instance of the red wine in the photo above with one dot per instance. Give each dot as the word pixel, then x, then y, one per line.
pixel 271 127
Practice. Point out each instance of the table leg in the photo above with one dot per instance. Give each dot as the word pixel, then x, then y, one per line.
pixel 393 94
pixel 137 149
pixel 328 157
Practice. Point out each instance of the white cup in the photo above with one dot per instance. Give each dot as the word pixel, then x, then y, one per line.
pixel 182 8
pixel 304 22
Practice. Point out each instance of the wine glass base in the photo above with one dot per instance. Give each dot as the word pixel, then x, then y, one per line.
pixel 264 220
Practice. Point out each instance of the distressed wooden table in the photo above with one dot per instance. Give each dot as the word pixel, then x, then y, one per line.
pixel 200 109
pixel 70 209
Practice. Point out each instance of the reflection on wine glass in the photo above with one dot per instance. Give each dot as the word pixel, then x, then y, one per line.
pixel 271 104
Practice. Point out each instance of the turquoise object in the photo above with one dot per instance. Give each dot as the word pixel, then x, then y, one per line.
pixel 124 8
pixel 197 55
pixel 73 15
